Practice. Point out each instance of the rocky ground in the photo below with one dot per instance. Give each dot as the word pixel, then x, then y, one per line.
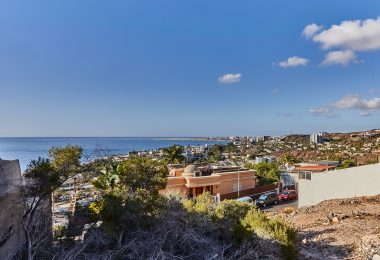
pixel 338 229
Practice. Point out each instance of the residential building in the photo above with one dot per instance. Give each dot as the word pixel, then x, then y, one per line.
pixel 314 168
pixel 316 138
pixel 193 180
pixel 269 159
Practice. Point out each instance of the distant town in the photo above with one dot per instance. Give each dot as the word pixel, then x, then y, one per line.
pixel 276 175
pixel 296 156
pixel 348 149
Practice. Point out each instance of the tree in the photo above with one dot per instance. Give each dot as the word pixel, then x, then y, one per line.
pixel 109 177
pixel 173 154
pixel 230 148
pixel 347 164
pixel 66 159
pixel 289 159
pixel 215 153
pixel 131 196
pixel 42 178
pixel 267 172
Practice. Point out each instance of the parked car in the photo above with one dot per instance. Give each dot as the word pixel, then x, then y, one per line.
pixel 267 199
pixel 288 195
pixel 245 199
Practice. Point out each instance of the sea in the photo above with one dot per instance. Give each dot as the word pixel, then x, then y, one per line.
pixel 26 149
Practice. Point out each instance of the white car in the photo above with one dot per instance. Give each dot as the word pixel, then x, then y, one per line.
pixel 246 199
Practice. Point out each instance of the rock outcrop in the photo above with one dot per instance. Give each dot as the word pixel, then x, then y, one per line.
pixel 11 210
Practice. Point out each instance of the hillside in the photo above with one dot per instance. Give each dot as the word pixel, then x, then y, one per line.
pixel 339 229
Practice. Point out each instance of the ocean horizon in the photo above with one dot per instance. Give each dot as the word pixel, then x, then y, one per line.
pixel 26 149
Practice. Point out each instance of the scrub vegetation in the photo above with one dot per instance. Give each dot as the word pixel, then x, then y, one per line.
pixel 130 219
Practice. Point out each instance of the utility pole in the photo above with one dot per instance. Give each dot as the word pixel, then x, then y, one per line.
pixel 238 188
pixel 238 181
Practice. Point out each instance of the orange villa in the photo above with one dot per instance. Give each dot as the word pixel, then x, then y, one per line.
pixel 193 180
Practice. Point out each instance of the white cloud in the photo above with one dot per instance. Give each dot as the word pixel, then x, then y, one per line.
pixel 339 57
pixel 230 78
pixel 355 102
pixel 311 29
pixel 293 62
pixel 365 114
pixel 348 102
pixel 356 35
pixel 324 111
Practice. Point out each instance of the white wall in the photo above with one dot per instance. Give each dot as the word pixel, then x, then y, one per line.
pixel 339 184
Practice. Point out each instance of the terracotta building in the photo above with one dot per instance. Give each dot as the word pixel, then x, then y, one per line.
pixel 193 180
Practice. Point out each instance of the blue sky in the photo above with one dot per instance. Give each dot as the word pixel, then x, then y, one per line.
pixel 155 68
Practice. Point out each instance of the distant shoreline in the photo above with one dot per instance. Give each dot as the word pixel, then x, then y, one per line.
pixel 183 138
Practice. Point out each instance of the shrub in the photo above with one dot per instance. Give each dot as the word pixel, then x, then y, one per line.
pixel 228 215
pixel 232 210
pixel 288 210
pixel 203 203
pixel 256 221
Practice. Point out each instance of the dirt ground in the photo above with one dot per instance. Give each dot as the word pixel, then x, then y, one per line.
pixel 338 229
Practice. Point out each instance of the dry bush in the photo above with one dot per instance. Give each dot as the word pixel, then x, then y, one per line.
pixel 288 210
pixel 176 234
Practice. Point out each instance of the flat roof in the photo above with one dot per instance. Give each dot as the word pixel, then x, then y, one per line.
pixel 314 168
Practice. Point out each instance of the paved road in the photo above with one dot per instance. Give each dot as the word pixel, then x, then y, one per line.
pixel 281 205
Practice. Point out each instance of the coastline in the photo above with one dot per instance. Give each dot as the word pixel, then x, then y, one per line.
pixel 183 139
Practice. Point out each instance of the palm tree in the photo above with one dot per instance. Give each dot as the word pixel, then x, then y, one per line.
pixel 289 159
pixel 173 154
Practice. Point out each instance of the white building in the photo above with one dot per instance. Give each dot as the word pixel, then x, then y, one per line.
pixel 316 138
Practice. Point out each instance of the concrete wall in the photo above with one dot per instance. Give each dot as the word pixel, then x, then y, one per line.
pixel 339 184
pixel 11 210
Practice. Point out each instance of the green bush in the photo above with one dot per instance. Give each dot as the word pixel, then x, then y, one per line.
pixel 243 222
pixel 232 210
pixel 256 221
pixel 203 203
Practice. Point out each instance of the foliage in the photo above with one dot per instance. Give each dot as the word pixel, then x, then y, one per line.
pixel 59 232
pixel 266 172
pixel 143 173
pixel 347 164
pixel 66 159
pixel 131 220
pixel 173 154
pixel 131 196
pixel 203 203
pixel 289 159
pixel 256 222
pixel 243 222
pixel 214 153
pixel 108 177
pixel 232 210
pixel 230 148
pixel 42 178
pixel 288 210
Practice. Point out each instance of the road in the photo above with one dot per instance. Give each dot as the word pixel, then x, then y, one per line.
pixel 280 205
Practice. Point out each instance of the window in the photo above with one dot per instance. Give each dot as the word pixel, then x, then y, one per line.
pixel 263 197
